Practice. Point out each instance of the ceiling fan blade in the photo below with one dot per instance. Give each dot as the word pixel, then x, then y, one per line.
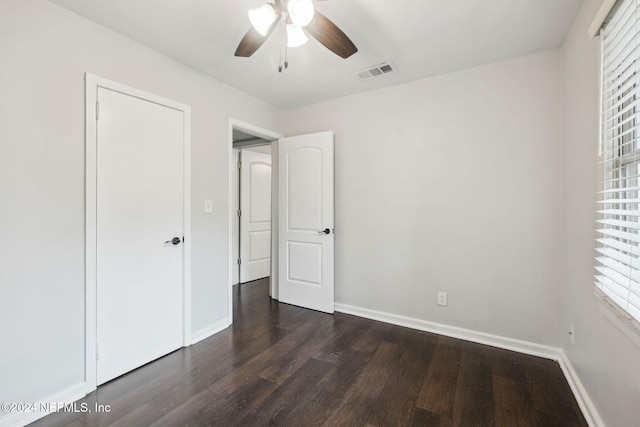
pixel 329 35
pixel 252 41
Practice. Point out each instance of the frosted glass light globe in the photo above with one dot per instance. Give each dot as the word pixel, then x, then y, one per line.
pixel 300 11
pixel 262 18
pixel 295 36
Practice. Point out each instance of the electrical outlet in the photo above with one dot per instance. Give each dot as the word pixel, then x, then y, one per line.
pixel 572 334
pixel 442 298
pixel 208 206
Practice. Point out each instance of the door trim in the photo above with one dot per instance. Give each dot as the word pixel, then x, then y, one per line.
pixel 92 83
pixel 231 262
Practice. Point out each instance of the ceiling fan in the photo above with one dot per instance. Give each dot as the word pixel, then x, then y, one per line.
pixel 296 15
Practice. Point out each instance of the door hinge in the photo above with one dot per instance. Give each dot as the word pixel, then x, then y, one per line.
pixel 97 351
pixel 239 212
pixel 97 110
pixel 239 261
pixel 239 164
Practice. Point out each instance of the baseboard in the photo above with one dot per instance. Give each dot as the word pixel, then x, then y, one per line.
pixel 554 353
pixel 586 405
pixel 209 330
pixel 69 395
pixel 453 331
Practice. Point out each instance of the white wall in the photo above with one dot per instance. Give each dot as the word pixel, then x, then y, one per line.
pixel 605 359
pixel 452 183
pixel 44 53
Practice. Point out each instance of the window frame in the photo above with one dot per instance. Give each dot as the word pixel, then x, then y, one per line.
pixel 623 149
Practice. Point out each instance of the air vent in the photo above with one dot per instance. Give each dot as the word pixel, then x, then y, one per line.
pixel 377 71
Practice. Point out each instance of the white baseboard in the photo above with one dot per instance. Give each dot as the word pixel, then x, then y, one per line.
pixel 209 330
pixel 586 405
pixel 69 395
pixel 584 401
pixel 453 331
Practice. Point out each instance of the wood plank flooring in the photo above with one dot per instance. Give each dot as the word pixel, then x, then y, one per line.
pixel 287 366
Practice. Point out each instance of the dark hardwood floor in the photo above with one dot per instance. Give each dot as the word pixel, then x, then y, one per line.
pixel 284 365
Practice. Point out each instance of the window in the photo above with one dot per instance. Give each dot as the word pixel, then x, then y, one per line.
pixel 618 223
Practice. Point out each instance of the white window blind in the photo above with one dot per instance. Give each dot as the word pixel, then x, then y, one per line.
pixel 618 223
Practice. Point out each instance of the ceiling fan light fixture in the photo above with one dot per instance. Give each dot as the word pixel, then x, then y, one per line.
pixel 262 18
pixel 300 11
pixel 295 36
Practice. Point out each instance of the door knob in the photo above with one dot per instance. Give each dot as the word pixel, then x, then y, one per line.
pixel 325 231
pixel 174 241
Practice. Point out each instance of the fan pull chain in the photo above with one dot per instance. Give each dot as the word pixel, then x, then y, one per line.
pixel 283 46
pixel 286 56
pixel 280 49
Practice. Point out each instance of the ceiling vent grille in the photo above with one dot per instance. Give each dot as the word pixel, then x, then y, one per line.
pixel 377 71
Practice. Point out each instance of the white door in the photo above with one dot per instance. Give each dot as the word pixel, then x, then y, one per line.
pixel 139 212
pixel 305 232
pixel 255 216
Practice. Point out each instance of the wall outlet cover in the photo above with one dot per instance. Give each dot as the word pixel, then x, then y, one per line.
pixel 442 298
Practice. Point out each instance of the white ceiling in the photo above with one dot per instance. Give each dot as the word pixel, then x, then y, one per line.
pixel 421 37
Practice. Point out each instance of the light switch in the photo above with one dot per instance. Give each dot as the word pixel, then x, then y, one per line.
pixel 208 206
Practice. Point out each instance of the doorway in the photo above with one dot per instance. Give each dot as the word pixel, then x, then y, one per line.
pixel 245 136
pixel 305 207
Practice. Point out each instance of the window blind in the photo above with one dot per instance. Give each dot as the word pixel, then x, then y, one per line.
pixel 618 217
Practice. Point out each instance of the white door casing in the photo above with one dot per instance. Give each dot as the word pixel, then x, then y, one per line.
pixel 137 199
pixel 306 210
pixel 255 218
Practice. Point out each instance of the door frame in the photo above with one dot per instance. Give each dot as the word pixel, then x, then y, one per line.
pixel 92 83
pixel 273 137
